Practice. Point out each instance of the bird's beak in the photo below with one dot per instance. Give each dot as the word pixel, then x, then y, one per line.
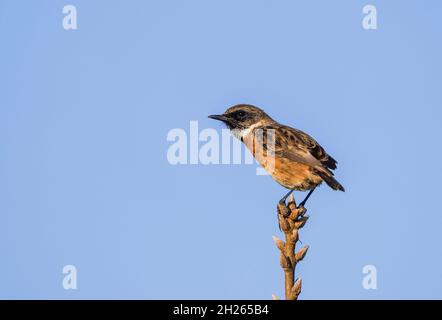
pixel 220 117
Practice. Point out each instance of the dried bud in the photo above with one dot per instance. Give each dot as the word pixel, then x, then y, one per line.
pixel 301 222
pixel 301 253
pixel 295 235
pixel 283 210
pixel 279 243
pixel 297 213
pixel 296 289
pixel 302 211
pixel 284 224
pixel 284 261
pixel 292 201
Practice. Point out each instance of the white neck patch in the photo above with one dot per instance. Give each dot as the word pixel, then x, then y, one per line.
pixel 241 134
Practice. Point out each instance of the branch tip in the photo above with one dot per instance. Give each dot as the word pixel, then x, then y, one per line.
pixel 291 198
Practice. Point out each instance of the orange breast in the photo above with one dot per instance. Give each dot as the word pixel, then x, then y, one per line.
pixel 288 173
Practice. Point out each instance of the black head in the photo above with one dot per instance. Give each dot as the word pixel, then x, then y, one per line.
pixel 242 116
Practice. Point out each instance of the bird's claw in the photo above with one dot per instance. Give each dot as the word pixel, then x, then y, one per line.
pixel 302 210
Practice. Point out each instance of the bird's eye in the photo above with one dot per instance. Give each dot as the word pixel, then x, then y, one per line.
pixel 240 115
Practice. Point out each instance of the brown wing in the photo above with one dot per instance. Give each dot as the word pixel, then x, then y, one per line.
pixel 296 145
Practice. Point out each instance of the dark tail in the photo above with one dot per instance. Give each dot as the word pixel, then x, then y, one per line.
pixel 327 176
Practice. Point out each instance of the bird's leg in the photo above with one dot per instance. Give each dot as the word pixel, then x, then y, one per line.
pixel 286 212
pixel 285 197
pixel 306 198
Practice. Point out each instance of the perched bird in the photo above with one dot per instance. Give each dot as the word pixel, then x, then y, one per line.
pixel 293 158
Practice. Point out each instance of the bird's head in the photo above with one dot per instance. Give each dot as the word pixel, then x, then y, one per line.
pixel 242 117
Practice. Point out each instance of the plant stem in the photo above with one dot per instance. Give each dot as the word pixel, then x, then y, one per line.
pixel 290 219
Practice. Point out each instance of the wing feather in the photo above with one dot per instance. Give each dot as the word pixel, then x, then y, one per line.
pixel 295 145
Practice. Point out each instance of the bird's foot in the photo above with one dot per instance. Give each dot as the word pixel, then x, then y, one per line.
pixel 302 210
pixel 290 209
pixel 289 215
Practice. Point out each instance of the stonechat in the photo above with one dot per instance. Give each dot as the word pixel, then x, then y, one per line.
pixel 293 158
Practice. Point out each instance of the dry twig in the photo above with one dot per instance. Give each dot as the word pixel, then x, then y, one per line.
pixel 290 219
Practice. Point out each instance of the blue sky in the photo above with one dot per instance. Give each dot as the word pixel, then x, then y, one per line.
pixel 84 176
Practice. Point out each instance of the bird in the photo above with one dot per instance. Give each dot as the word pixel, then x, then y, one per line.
pixel 292 157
